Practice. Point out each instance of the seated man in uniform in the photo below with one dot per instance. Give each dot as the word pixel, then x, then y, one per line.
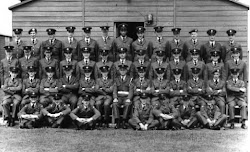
pixel 87 85
pixel 217 89
pixel 85 115
pixel 56 111
pixel 166 114
pixel 122 94
pixel 104 88
pixel 31 84
pixel 143 118
pixel 140 62
pixel 30 115
pixel 12 95
pixel 141 85
pixel 48 87
pixel 210 115
pixel 69 86
pixel 236 96
pixel 160 86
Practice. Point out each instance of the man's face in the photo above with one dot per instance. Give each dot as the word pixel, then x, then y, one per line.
pixel 85 103
pixel 141 57
pixel 123 33
pixel 104 74
pixel 176 36
pixel 141 74
pixel 160 76
pixel 235 76
pixel 51 36
pixel 143 101
pixel 231 38
pixel 70 34
pixel 18 36
pixel 105 33
pixel 33 34
pixel 104 57
pixel 28 53
pixel 47 54
pixel 212 38
pixel 68 55
pixel 194 35
pixel 88 74
pixel 215 58
pixel 33 100
pixel 8 53
pixel 50 74
pixel 87 35
pixel 195 76
pixel 195 57
pixel 176 56
pixel 236 55
pixel 177 76
pixel 159 58
pixel 86 55
pixel 140 35
pixel 13 75
pixel 123 72
pixel 122 55
pixel 32 74
pixel 68 72
pixel 216 75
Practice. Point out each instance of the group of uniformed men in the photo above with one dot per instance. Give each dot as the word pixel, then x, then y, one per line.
pixel 155 84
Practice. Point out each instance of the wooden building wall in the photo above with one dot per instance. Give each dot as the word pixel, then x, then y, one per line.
pixel 186 14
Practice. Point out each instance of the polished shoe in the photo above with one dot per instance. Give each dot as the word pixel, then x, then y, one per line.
pixel 232 126
pixel 243 126
pixel 124 125
pixel 117 126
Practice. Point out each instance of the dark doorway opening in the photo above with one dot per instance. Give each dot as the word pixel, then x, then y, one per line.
pixel 131 28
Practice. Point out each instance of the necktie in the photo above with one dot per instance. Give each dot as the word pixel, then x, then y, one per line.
pixel 33 41
pixel 70 40
pixel 195 80
pixel 86 61
pixel 31 80
pixel 141 62
pixel 68 78
pixel 33 105
pixel 235 81
pixel 231 43
pixel 104 61
pixel 177 81
pixel 140 41
pixel 236 61
pixel 87 41
pixel 68 61
pixel 194 42
pixel 177 42
pixel 159 62
pixel 195 62
pixel 122 61
pixel 215 63
pixel 216 81
pixel 159 39
pixel 17 42
pixel 105 40
pixel 212 44
pixel 176 62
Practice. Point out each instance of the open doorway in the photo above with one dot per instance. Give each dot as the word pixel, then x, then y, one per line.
pixel 131 28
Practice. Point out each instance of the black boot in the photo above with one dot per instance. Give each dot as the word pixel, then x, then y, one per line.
pixel 117 122
pixel 9 122
pixel 12 122
pixel 124 125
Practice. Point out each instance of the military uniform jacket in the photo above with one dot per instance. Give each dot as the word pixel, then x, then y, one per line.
pixel 136 64
pixel 33 86
pixel 226 51
pixel 107 44
pixel 18 48
pixel 169 109
pixel 212 88
pixel 116 67
pixel 92 45
pixel 207 48
pixel 186 111
pixel 5 68
pixel 189 45
pixel 81 64
pixel 88 85
pixel 233 89
pixel 142 85
pixel 46 83
pixel 156 45
pixel 212 114
pixel 211 67
pixel 100 64
pixel 74 66
pixel 36 50
pixel 230 64
pixel 192 87
pixel 57 52
pixel 72 85
pixel 120 85
pixel 82 112
pixel 144 45
pixel 24 63
pixel 15 87
pixel 104 87
pixel 143 114
pixel 200 64
pixel 180 65
pixel 155 65
pixel 175 88
pixel 43 63
pixel 56 108
pixel 73 45
pixel 172 45
pixel 28 109
pixel 123 43
pixel 162 86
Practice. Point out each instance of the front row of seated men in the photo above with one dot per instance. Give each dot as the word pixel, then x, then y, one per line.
pixel 163 105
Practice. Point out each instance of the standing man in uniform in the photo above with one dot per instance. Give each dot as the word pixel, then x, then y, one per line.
pixel 68 60
pixel 71 42
pixel 6 63
pixel 191 44
pixel 88 42
pixel 69 87
pixel 36 49
pixel 54 43
pixel 227 46
pixel 27 60
pixel 104 88
pixel 211 45
pixel 18 43
pixel 48 61
pixel 105 43
pixel 122 94
pixel 236 91
pixel 158 43
pixel 123 41
pixel 141 44
pixel 175 43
